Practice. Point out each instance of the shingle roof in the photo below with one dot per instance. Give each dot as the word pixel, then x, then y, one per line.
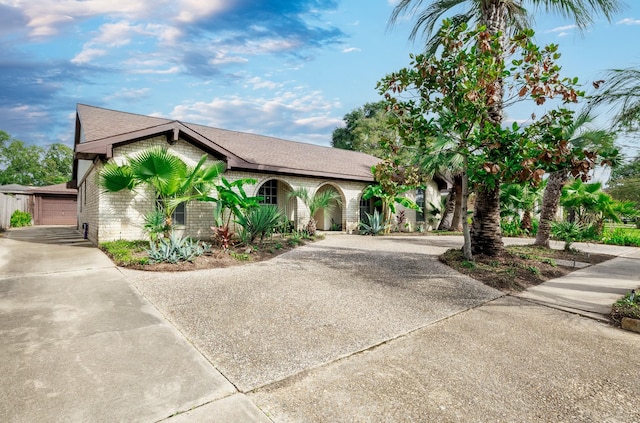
pixel 14 188
pixel 53 189
pixel 101 129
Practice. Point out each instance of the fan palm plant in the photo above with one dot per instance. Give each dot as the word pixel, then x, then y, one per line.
pixel 169 178
pixel 325 200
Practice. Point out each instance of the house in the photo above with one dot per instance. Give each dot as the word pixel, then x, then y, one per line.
pixel 48 205
pixel 278 165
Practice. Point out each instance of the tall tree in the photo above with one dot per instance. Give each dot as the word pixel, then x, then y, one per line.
pixel 624 183
pixel 505 16
pixel 25 164
pixel 589 147
pixel 367 129
pixel 452 95
pixel 501 18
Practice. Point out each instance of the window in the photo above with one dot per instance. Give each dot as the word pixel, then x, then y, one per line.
pixel 365 207
pixel 269 192
pixel 179 216
pixel 420 202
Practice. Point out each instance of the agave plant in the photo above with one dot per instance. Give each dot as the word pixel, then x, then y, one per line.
pixel 258 221
pixel 375 224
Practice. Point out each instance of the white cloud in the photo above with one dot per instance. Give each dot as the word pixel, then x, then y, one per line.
pixel 350 49
pixel 129 93
pixel 169 71
pixel 191 10
pixel 629 21
pixel 257 83
pixel 120 34
pixel 294 114
pixel 561 29
pixel 87 54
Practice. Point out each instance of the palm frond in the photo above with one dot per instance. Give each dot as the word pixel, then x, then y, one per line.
pixel 160 168
pixel 115 178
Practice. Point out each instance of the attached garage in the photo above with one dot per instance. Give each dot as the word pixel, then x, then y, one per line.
pixel 54 205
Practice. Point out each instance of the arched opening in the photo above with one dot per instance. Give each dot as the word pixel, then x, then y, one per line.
pixel 368 206
pixel 276 192
pixel 330 219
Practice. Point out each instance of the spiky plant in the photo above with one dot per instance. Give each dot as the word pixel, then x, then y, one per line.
pixel 325 200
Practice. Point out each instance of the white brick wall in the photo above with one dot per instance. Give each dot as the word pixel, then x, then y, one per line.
pixel 113 216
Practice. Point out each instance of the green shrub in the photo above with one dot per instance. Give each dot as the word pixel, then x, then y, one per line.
pixel 620 236
pixel 20 219
pixel 175 249
pixel 569 232
pixel 126 253
pixel 627 306
pixel 511 228
pixel 261 221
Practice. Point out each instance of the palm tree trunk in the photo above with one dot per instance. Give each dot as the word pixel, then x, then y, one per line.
pixel 486 236
pixel 550 202
pixel 456 221
pixel 445 222
pixel 525 225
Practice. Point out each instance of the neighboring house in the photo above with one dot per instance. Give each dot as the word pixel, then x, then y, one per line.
pixel 48 205
pixel 279 166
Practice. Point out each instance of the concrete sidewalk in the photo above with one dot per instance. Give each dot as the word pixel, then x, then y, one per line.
pixel 79 344
pixel 592 290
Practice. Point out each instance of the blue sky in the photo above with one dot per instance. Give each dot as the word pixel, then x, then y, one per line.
pixel 285 68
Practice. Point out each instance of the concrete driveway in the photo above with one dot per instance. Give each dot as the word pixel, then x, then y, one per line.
pixel 349 329
pixel 79 344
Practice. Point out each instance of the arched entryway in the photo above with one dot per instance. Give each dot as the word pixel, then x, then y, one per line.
pixel 331 219
pixel 277 192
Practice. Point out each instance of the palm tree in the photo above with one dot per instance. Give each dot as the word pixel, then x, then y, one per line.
pixel 591 205
pixel 171 181
pixel 517 198
pixel 500 17
pixel 325 200
pixel 506 16
pixel 581 138
pixel 441 159
pixel 621 90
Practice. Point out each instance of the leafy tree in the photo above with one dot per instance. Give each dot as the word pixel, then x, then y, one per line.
pixel 453 95
pixel 325 200
pixel 57 161
pixel 624 183
pixel 589 147
pixel 25 164
pixel 502 18
pixel 168 177
pixel 366 129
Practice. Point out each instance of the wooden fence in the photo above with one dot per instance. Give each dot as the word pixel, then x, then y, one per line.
pixel 9 204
